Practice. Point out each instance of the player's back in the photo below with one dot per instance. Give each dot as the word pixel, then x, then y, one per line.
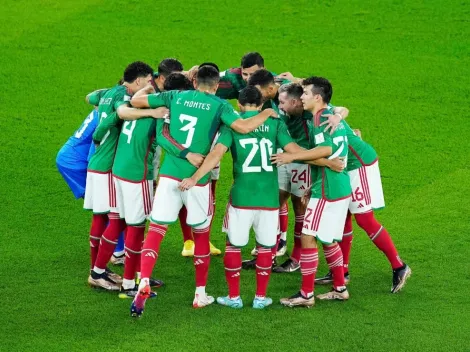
pixel 134 152
pixel 102 159
pixel 255 178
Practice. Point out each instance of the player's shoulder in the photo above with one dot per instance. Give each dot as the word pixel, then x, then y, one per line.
pixel 236 71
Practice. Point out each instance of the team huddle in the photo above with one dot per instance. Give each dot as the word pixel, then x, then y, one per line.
pixel 286 140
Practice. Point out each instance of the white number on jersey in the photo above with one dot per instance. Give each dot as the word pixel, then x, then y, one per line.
pixel 103 116
pixel 128 131
pixel 189 127
pixel 340 142
pixel 266 147
pixel 87 121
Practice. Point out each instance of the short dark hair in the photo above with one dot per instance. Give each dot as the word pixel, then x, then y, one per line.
pixel 250 95
pixel 262 78
pixel 252 59
pixel 135 70
pixel 293 90
pixel 208 76
pixel 168 66
pixel 177 81
pixel 320 86
pixel 210 64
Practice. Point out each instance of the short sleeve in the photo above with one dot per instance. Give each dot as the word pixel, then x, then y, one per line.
pixel 95 97
pixel 126 98
pixel 283 135
pixel 225 137
pixel 160 99
pixel 229 115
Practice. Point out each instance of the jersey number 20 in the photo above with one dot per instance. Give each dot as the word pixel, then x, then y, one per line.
pixel 265 146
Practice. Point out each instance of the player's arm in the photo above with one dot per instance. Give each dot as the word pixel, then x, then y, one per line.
pixel 153 101
pixel 125 112
pixel 311 154
pixel 336 164
pixel 339 113
pixel 290 77
pixel 245 126
pixel 104 126
pixel 94 97
pixel 171 146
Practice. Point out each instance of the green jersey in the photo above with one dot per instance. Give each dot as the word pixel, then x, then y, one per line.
pixel 95 96
pixel 195 119
pixel 329 184
pixel 134 152
pixel 360 152
pixel 298 127
pixel 255 178
pixel 231 83
pixel 107 132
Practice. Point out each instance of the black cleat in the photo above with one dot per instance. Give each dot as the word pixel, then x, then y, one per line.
pixel 400 276
pixel 155 283
pixel 289 266
pixel 249 264
pixel 328 279
pixel 281 248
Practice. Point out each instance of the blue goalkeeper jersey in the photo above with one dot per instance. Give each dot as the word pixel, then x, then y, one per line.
pixel 79 147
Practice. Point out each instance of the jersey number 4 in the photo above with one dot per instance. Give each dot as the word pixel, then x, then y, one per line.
pixel 265 146
pixel 127 129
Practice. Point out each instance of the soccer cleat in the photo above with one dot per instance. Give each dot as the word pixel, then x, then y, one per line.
pixel 200 301
pixel 254 252
pixel 282 248
pixel 298 300
pixel 113 276
pixel 400 276
pixel 188 249
pixel 261 303
pixel 249 264
pixel 138 304
pixel 328 279
pixel 342 295
pixel 214 249
pixel 132 292
pixel 289 266
pixel 118 260
pixel 235 303
pixel 102 281
pixel 156 283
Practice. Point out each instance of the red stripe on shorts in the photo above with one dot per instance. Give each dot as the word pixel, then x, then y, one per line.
pixel 364 184
pixel 317 214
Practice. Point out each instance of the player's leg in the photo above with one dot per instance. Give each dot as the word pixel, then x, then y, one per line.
pixel 100 196
pixel 119 253
pixel 308 257
pixel 237 224
pixel 329 231
pixel 283 219
pixel 198 201
pixel 265 227
pixel 188 242
pixel 166 206
pixel 345 246
pixel 215 174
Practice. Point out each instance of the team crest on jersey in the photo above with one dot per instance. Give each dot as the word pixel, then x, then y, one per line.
pixel 319 138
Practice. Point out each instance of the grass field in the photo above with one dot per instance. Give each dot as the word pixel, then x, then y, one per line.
pixel 402 69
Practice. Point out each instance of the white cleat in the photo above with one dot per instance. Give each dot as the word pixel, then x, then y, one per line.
pixel 200 301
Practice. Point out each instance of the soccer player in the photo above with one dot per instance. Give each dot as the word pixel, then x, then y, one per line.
pixel 165 68
pixel 233 80
pixel 100 194
pixel 294 178
pixel 328 205
pixel 195 119
pixel 367 195
pixel 254 199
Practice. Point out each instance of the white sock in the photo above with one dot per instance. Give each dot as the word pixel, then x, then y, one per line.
pixel 283 236
pixel 98 270
pixel 128 284
pixel 119 253
pixel 143 282
pixel 201 290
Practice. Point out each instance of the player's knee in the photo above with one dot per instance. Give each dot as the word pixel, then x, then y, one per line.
pixel 308 241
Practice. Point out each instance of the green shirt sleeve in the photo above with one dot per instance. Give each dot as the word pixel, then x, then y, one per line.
pixel 322 138
pixel 229 115
pixel 283 135
pixel 226 137
pixel 160 99
pixel 95 97
pixel 168 143
pixel 227 86
pixel 124 99
pixel 104 126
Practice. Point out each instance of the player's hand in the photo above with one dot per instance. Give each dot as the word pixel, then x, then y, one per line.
pixel 333 122
pixel 186 184
pixel 286 75
pixel 336 164
pixel 271 112
pixel 282 159
pixel 358 133
pixel 159 113
pixel 195 159
pixel 306 196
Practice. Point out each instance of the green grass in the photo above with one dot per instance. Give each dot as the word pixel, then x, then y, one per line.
pixel 401 68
